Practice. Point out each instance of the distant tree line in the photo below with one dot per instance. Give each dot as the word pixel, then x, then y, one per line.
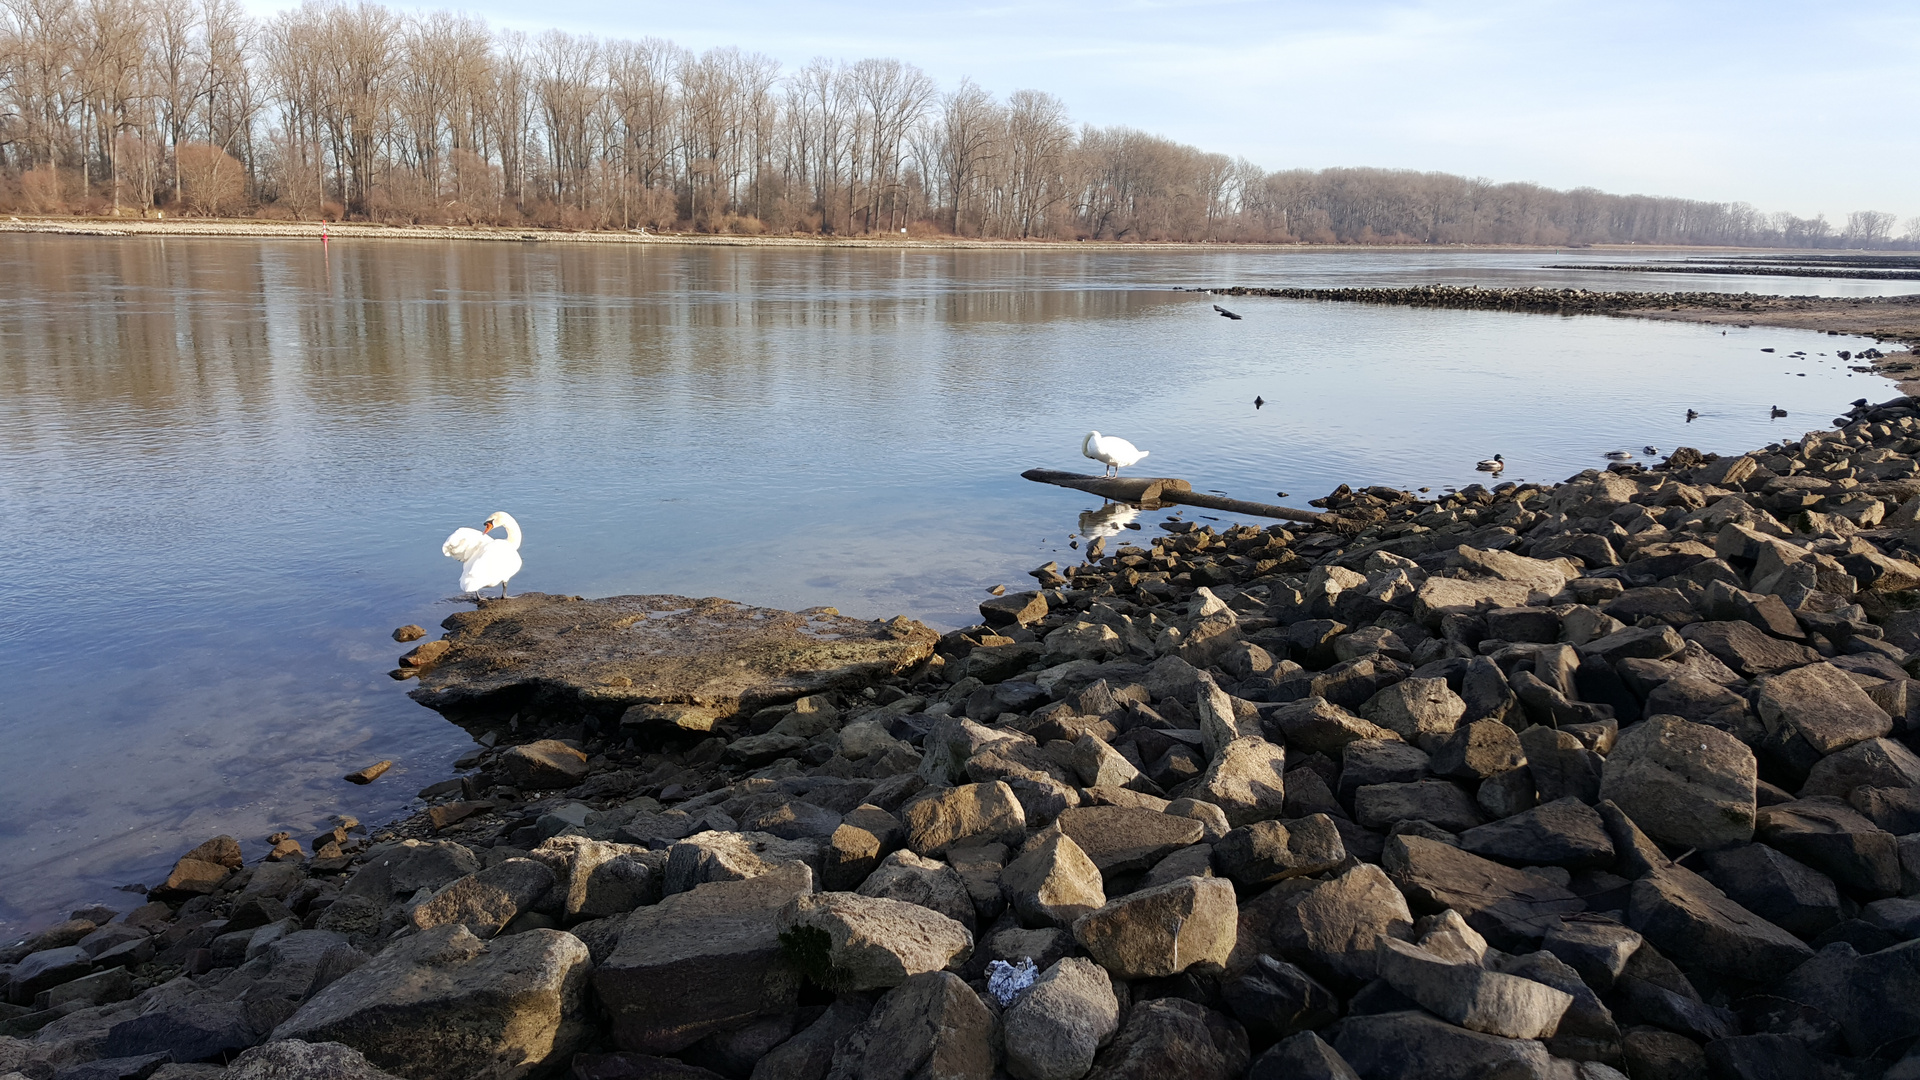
pixel 352 110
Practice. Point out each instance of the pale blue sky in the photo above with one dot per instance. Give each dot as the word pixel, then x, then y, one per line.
pixel 1808 107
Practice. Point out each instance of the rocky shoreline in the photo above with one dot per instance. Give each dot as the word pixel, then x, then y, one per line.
pixel 1610 777
pixel 1747 271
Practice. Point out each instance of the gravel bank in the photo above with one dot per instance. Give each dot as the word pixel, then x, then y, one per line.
pixel 1887 319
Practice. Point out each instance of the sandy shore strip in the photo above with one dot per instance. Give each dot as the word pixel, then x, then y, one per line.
pixel 353 230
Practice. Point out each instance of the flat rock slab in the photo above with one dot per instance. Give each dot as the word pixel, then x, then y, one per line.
pixel 1512 908
pixel 1699 926
pixel 622 651
pixel 1126 839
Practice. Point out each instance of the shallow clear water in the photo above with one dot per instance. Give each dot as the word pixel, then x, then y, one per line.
pixel 227 466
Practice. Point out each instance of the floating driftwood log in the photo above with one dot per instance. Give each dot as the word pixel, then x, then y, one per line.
pixel 1151 490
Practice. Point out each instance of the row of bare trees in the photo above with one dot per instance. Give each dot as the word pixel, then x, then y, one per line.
pixel 350 109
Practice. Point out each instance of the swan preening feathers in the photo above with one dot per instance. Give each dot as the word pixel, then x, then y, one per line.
pixel 1115 453
pixel 486 561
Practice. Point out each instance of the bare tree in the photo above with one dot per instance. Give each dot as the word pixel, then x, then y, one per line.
pixel 1868 228
pixel 1038 140
pixel 968 138
pixel 567 86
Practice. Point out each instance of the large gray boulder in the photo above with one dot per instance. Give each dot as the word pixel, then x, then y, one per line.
pixel 1830 836
pixel 294 1059
pixel 1876 763
pixel 1684 784
pixel 1275 999
pixel 1477 751
pixel 1220 723
pixel 1471 996
pixel 1316 725
pixel 1128 839
pixel 1246 780
pixel 1875 998
pixel 1053 882
pixel 855 942
pixel 1422 711
pixel 865 835
pixel 1440 597
pixel 1820 704
pixel 1565 832
pixel 1417 1046
pixel 714 855
pixel 487 901
pixel 970 814
pixel 542 765
pixel 1269 851
pixel 1054 1029
pixel 1172 1037
pixel 931 1026
pixel 1697 925
pixel 1335 927
pixel 701 961
pixel 1512 908
pixel 597 878
pixel 930 883
pixel 397 871
pixel 809 1054
pixel 1163 930
pixel 1785 892
pixel 1437 802
pixel 1304 1056
pixel 445 1005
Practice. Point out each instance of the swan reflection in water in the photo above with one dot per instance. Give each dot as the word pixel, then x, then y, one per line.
pixel 1107 521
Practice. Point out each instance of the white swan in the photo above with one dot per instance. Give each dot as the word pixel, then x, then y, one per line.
pixel 486 561
pixel 1492 464
pixel 1116 453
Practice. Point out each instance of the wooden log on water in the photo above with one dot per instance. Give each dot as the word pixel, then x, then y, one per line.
pixel 1166 489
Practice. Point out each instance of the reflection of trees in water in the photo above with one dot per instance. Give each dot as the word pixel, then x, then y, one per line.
pixel 244 320
pixel 1107 521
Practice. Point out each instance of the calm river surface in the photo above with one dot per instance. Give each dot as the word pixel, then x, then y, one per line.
pixel 226 466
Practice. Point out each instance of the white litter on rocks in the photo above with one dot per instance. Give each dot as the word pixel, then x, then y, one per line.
pixel 1005 981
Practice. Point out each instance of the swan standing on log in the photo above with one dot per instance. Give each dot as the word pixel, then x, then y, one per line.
pixel 486 561
pixel 1115 453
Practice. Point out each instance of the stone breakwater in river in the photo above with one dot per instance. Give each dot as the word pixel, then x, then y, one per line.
pixel 1560 301
pixel 1615 776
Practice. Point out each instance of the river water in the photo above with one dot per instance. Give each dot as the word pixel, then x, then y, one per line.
pixel 226 467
